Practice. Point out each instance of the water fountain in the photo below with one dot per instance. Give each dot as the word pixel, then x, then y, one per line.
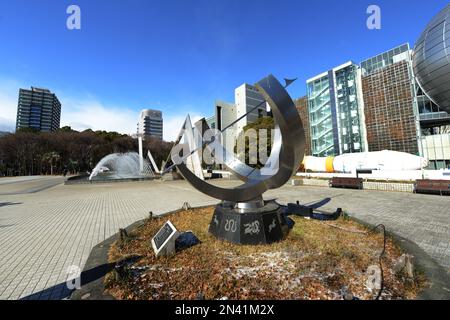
pixel 121 166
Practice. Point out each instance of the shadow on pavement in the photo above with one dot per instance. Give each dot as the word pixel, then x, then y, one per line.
pixel 61 291
pixel 319 204
pixel 4 204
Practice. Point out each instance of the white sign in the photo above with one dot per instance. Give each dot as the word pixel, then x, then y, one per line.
pixel 163 242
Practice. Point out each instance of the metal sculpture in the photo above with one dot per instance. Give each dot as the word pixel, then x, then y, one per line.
pixel 243 216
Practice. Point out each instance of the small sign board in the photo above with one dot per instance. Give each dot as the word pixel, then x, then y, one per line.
pixel 163 242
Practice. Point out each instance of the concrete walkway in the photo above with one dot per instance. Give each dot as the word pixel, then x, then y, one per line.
pixel 424 219
pixel 23 185
pixel 44 232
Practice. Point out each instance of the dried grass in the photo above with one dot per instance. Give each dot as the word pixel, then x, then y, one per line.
pixel 316 261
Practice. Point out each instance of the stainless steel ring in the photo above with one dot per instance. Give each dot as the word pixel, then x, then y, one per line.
pixel 287 151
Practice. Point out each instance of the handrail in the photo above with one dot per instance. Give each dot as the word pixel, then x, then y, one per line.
pixel 323 134
pixel 315 123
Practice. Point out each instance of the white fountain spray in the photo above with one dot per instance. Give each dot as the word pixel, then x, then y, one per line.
pixel 122 166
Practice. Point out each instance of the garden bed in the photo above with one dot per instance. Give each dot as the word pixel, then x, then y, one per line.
pixel 318 260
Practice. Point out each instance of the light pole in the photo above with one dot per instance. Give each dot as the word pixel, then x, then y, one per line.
pixel 141 152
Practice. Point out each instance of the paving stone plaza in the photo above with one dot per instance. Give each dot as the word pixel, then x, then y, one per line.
pixel 46 226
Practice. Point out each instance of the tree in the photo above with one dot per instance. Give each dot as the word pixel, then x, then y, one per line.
pixel 51 157
pixel 159 149
pixel 27 152
pixel 252 142
pixel 66 129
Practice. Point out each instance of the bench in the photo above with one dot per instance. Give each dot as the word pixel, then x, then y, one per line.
pixel 351 183
pixel 432 186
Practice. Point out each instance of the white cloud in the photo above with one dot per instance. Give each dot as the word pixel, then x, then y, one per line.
pixel 88 112
pixel 7 124
pixel 92 114
pixel 9 91
pixel 173 123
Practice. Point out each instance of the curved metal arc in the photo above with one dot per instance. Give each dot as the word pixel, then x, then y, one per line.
pixel 242 193
pixel 287 151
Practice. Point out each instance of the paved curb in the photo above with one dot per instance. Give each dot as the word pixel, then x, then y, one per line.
pixel 94 289
pixel 82 182
pixel 97 266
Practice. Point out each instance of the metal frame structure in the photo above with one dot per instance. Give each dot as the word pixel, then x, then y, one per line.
pixel 287 152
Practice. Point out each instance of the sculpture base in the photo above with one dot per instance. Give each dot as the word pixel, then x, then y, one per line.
pixel 264 225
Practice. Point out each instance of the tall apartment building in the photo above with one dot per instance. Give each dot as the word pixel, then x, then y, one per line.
pixel 336 116
pixel 302 108
pixel 38 109
pixel 151 123
pixel 248 98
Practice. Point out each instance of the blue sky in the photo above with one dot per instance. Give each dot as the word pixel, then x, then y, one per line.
pixel 180 55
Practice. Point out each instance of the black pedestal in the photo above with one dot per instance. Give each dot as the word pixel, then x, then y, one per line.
pixel 264 225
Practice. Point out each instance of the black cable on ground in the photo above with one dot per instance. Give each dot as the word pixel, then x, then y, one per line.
pixel 304 211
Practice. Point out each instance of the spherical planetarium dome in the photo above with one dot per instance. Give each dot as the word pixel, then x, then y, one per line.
pixel 432 59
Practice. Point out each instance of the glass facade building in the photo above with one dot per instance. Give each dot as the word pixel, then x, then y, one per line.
pixel 434 136
pixel 321 120
pixel 390 112
pixel 429 113
pixel 399 115
pixel 377 105
pixel 351 136
pixel 335 115
pixel 383 60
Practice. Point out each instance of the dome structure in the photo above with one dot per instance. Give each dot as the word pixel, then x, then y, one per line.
pixel 431 60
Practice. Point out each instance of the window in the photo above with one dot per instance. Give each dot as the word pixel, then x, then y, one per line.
pixel 219 118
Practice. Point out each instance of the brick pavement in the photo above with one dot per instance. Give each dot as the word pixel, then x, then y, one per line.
pixel 45 232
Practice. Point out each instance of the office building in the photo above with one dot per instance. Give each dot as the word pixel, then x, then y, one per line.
pixel 336 116
pixel 226 114
pixel 211 122
pixel 38 109
pixel 249 100
pixel 249 104
pixel 434 136
pixel 302 108
pixel 151 124
pixel 399 116
pixel 389 90
pixel 375 106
